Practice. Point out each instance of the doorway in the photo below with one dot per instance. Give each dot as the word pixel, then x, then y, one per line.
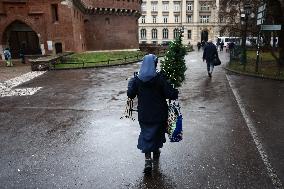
pixel 19 37
pixel 58 48
pixel 204 35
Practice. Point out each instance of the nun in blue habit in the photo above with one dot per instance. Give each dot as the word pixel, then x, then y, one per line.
pixel 152 89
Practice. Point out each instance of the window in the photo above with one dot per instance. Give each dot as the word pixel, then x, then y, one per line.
pixel 188 34
pixel 204 7
pixel 176 19
pixel 176 7
pixel 143 7
pixel 143 19
pixel 165 33
pixel 143 33
pixel 107 20
pixel 154 6
pixel 54 12
pixel 154 19
pixel 189 6
pixel 204 19
pixel 165 19
pixel 176 33
pixel 154 34
pixel 189 18
pixel 165 6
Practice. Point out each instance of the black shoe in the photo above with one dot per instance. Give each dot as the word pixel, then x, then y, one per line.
pixel 156 155
pixel 148 166
pixel 209 74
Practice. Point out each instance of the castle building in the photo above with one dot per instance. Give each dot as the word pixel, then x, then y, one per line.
pixel 161 20
pixel 55 26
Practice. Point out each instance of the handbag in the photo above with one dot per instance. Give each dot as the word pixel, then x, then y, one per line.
pixel 216 61
pixel 174 123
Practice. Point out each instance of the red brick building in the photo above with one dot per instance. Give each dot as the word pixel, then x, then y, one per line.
pixel 53 26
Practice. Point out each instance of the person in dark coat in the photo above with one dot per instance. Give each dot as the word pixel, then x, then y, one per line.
pixel 221 45
pixel 152 90
pixel 210 51
pixel 198 45
pixel 22 55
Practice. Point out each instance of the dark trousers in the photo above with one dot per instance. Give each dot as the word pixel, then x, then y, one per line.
pixel 210 67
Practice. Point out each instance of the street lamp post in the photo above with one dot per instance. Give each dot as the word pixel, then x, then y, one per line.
pixel 245 13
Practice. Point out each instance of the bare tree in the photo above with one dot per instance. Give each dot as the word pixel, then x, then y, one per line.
pixel 230 11
pixel 275 15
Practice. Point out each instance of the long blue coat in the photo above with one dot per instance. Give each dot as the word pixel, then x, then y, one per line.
pixel 152 110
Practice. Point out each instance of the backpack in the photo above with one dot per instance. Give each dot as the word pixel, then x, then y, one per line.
pixel 7 54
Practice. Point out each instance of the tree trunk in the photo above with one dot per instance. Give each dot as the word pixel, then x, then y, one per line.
pixel 281 36
pixel 281 47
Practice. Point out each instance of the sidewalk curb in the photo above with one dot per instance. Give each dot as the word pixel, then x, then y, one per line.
pixel 252 75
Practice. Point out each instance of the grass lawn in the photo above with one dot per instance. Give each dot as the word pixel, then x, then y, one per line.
pixel 104 56
pixel 267 67
pixel 100 59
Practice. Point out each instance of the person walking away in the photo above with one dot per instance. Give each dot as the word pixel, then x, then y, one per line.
pixel 231 47
pixel 198 45
pixel 8 57
pixel 218 44
pixel 22 55
pixel 152 90
pixel 203 44
pixel 221 45
pixel 209 54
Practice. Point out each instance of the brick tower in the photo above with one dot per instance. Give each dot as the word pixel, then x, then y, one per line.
pixel 48 27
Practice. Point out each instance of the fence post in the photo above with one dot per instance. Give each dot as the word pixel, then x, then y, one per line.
pixel 125 59
pixel 108 61
pixel 83 63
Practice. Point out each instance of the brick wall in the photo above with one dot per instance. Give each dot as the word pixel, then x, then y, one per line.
pixel 111 32
pixel 77 31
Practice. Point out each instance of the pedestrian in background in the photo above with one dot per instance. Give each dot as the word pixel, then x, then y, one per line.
pixel 203 44
pixel 221 45
pixel 198 45
pixel 210 52
pixel 8 57
pixel 152 90
pixel 22 54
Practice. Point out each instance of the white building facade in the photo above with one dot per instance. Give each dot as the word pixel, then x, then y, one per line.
pixel 161 20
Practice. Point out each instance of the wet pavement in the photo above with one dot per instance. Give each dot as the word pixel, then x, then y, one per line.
pixel 70 135
pixel 11 72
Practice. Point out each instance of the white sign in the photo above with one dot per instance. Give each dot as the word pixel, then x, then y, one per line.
pixel 261 14
pixel 49 45
pixel 261 8
pixel 271 27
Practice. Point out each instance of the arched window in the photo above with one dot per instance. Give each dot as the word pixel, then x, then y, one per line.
pixel 143 33
pixel 165 33
pixel 176 33
pixel 154 33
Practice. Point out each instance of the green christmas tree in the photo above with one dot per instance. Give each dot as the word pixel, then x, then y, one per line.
pixel 173 66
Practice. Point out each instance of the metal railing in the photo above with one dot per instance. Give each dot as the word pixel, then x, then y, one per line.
pixel 71 62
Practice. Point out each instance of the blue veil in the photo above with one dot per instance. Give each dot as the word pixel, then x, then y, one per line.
pixel 148 68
